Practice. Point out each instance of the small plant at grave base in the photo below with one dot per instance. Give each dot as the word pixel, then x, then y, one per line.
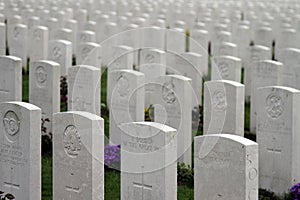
pixel 63 92
pixel 268 195
pixel 149 113
pixel 112 156
pixel 6 196
pixel 46 138
pixel 295 190
pixel 185 175
pixel 104 110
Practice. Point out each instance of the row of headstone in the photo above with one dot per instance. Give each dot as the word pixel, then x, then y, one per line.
pixel 78 145
pixel 78 149
pixel 78 155
pixel 97 19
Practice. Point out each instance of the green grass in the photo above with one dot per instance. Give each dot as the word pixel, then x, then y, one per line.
pixel 25 88
pixel 46 178
pixel 247 117
pixel 112 185
pixel 103 86
pixel 185 193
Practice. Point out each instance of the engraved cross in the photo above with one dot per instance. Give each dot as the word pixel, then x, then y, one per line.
pixel 10 183
pixel 3 88
pixel 142 185
pixel 274 149
pixel 70 188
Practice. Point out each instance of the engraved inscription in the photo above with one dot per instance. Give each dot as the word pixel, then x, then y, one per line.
pixel 143 144
pixel 41 76
pixel 116 63
pixel 79 104
pixel 274 106
pixel 11 124
pixel 3 83
pixel 16 33
pixel 72 141
pixel 85 52
pixel 12 185
pixel 37 35
pixel 83 38
pixel 150 58
pixel 273 126
pixel 142 186
pixel 72 189
pixel 255 55
pixel 219 102
pixel 223 50
pixel 168 94
pixel 57 52
pixel 12 154
pixel 216 159
pixel 123 86
pixel 224 69
pixel 273 150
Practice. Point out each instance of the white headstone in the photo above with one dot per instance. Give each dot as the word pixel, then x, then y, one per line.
pixel 38 50
pixel 20 158
pixel 90 26
pixel 173 96
pixel 263 36
pixel 148 161
pixel 188 64
pixel 288 38
pixel 78 156
pixel 154 37
pixel 84 89
pixel 2 38
pixel 62 34
pixel 80 16
pixel 120 57
pixel 226 167
pixel 264 73
pixel 218 38
pixel 44 89
pixel 53 25
pixel 72 25
pixel 198 43
pixel 226 49
pixel 89 54
pixel 254 54
pixel 176 41
pixel 127 101
pixel 10 78
pixel 101 21
pixel 12 21
pixel 153 65
pixel 60 51
pixel 226 68
pixel 277 134
pixel 290 58
pixel 224 107
pixel 17 41
pixel 86 36
pixel 242 38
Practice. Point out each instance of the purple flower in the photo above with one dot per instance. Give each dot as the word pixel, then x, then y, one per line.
pixel 112 155
pixel 296 191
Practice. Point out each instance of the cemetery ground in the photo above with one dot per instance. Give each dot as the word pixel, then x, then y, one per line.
pixel 185 190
